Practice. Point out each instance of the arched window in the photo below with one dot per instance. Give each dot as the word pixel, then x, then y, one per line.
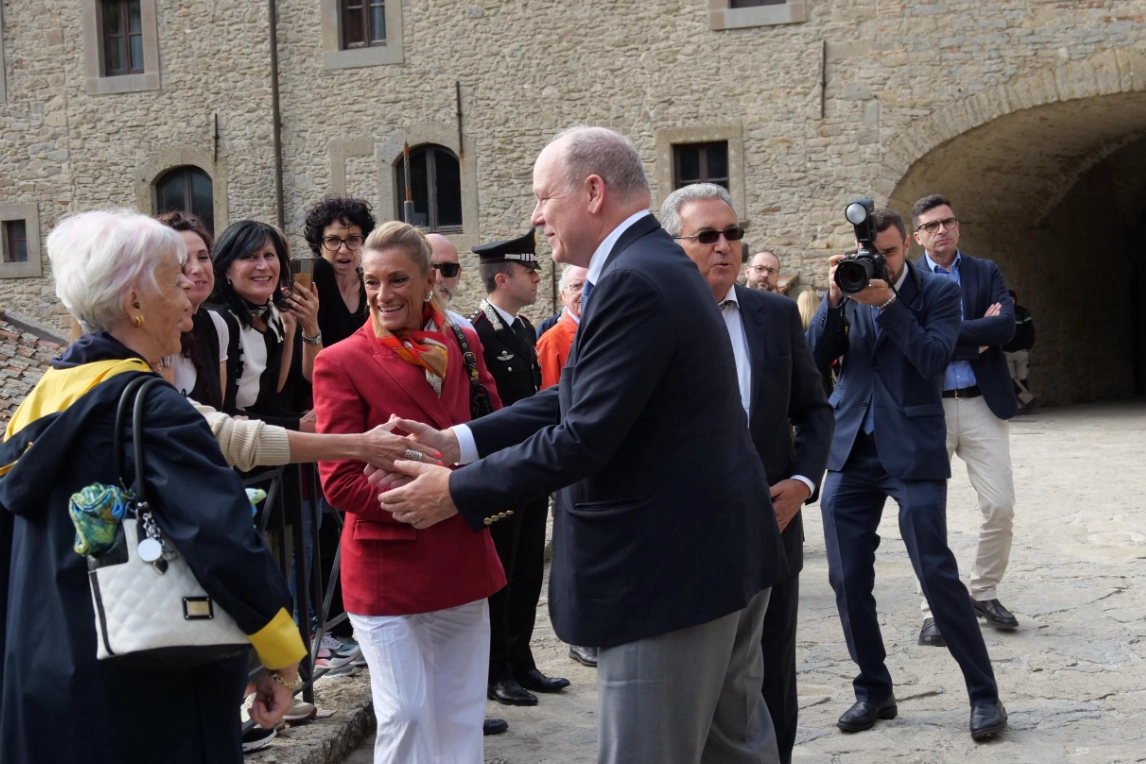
pixel 435 185
pixel 186 189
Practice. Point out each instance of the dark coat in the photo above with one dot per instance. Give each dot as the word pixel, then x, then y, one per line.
pixel 981 285
pixel 787 393
pixel 511 359
pixel 664 519
pixel 58 703
pixel 900 372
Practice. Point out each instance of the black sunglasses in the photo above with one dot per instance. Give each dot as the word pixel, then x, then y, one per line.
pixel 449 270
pixel 711 237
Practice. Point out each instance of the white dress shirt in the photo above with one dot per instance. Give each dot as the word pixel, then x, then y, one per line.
pixel 734 322
pixel 467 447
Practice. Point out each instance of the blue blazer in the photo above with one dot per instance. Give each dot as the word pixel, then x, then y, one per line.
pixel 900 372
pixel 664 519
pixel 982 285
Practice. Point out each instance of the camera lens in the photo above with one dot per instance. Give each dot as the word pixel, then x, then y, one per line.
pixel 853 275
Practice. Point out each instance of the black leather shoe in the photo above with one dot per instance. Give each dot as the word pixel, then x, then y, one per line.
pixel 988 720
pixel 862 715
pixel 494 726
pixel 586 656
pixel 538 682
pixel 993 612
pixel 510 693
pixel 929 635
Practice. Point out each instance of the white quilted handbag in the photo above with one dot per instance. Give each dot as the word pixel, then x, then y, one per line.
pixel 150 610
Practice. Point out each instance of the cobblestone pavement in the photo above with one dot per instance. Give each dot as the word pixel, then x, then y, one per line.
pixel 1073 676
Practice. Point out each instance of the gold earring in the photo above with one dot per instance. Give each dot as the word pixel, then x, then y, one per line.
pixel 138 322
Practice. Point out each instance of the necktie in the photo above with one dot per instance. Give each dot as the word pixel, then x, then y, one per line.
pixel 585 295
pixel 519 329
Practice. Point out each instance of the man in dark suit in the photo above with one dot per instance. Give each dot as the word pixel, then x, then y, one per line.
pixel 509 271
pixel 896 339
pixel 978 399
pixel 780 390
pixel 655 560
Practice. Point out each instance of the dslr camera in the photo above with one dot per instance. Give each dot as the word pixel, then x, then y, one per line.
pixel 855 271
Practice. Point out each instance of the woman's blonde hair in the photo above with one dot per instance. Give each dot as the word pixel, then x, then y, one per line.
pixel 409 239
pixel 807 303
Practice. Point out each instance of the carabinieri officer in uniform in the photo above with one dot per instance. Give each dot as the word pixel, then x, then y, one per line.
pixel 509 270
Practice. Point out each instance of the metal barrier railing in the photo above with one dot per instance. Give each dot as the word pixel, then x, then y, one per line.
pixel 284 508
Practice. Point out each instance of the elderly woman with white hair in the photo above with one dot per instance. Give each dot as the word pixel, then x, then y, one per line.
pixel 119 275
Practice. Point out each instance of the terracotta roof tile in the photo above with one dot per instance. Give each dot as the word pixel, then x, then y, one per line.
pixel 24 358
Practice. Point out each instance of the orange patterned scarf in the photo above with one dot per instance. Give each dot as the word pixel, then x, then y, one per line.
pixel 426 348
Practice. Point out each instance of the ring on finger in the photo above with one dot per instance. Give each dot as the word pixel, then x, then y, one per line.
pixel 414 455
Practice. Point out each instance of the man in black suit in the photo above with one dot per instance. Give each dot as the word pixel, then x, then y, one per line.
pixel 665 542
pixel 978 399
pixel 780 389
pixel 509 271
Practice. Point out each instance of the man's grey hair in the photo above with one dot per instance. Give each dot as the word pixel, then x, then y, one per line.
pixel 697 192
pixel 99 256
pixel 564 282
pixel 606 153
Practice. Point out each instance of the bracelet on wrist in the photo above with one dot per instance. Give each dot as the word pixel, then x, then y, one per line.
pixel 315 340
pixel 296 684
pixel 884 306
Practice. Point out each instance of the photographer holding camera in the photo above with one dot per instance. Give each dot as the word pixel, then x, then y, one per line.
pixel 896 328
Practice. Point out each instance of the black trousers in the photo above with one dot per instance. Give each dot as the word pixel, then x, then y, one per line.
pixel 852 503
pixel 779 643
pixel 520 543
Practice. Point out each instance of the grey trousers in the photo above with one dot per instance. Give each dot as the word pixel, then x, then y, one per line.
pixel 687 697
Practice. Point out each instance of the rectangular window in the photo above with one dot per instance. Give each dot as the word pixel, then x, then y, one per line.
pixel 122 28
pixel 753 3
pixel 363 23
pixel 15 233
pixel 700 163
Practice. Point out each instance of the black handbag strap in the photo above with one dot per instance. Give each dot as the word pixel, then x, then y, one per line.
pixel 133 396
pixel 480 403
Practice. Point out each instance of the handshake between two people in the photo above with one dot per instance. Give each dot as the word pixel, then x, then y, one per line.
pixel 411 487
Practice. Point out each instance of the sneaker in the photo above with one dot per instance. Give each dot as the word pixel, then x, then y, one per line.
pixel 327 655
pixel 257 738
pixel 322 672
pixel 344 648
pixel 300 712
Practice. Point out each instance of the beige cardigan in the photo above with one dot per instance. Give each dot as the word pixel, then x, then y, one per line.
pixel 247 443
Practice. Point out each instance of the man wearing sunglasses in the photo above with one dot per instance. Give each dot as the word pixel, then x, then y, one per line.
pixel 780 389
pixel 978 399
pixel 444 259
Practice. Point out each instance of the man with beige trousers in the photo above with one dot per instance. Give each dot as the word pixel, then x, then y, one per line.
pixel 978 399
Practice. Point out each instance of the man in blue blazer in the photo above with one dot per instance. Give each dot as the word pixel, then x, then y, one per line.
pixel 978 399
pixel 788 414
pixel 665 543
pixel 896 339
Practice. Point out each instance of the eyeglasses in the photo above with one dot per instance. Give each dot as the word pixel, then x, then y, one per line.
pixel 711 237
pixel 333 243
pixel 933 227
pixel 449 270
pixel 764 269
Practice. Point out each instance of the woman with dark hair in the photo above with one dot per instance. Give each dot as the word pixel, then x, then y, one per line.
pixel 336 229
pixel 253 283
pixel 199 369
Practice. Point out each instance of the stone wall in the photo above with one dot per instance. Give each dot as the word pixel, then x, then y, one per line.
pixel 902 80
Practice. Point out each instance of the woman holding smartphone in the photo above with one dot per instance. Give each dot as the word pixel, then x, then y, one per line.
pixel 336 228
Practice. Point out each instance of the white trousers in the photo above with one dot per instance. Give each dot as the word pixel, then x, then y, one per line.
pixel 428 679
pixel 983 442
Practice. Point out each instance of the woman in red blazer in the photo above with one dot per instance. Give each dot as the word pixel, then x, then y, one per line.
pixel 416 598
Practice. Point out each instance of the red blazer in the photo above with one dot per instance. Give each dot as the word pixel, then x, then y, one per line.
pixel 390 568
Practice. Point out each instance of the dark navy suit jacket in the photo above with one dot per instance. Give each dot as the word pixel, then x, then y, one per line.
pixel 900 372
pixel 982 286
pixel 664 519
pixel 787 393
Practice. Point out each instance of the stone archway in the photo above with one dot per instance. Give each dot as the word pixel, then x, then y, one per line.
pixel 1048 176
